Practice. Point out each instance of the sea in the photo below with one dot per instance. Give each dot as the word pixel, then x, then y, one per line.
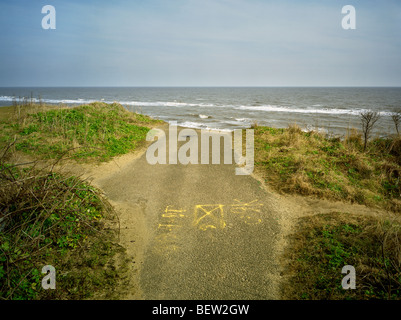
pixel 331 110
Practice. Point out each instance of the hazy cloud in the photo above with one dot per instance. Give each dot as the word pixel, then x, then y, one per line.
pixel 200 43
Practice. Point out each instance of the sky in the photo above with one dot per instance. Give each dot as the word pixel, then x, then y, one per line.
pixel 200 43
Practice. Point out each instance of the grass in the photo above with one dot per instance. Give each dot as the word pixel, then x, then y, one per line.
pixel 323 244
pixel 46 218
pixel 308 163
pixel 311 164
pixel 50 219
pixel 98 131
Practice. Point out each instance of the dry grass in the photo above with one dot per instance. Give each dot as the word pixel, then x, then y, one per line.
pixel 309 163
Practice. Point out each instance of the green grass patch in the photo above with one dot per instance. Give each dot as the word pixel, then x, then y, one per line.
pixel 324 244
pixel 50 219
pixel 97 131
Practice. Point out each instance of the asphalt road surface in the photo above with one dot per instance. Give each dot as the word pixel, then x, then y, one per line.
pixel 196 231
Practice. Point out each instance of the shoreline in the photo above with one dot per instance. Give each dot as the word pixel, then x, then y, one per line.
pixel 329 109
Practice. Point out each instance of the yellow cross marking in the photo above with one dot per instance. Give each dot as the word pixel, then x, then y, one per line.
pixel 209 216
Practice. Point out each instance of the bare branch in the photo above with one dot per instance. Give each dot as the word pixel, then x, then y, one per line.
pixel 368 120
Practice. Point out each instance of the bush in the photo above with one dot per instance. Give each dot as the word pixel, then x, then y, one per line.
pixel 47 218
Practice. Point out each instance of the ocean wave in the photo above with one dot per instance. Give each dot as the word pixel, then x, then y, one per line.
pixel 50 101
pixel 157 104
pixel 235 123
pixel 243 119
pixel 314 109
pixel 202 126
pixel 127 103
pixel 274 108
pixel 203 116
pixel 165 104
pixel 6 98
pixel 191 124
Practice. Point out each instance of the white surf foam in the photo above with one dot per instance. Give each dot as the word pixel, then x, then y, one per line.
pixel 274 108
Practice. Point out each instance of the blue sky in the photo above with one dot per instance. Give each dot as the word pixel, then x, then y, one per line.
pixel 200 43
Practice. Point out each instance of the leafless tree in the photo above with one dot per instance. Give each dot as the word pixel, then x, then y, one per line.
pixel 368 119
pixel 396 116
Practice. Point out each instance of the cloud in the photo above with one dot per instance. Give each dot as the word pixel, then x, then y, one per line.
pixel 207 42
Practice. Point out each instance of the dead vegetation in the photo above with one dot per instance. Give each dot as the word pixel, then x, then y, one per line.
pixel 368 120
pixel 52 219
pixel 309 163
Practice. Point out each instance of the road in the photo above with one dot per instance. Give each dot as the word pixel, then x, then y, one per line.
pixel 195 231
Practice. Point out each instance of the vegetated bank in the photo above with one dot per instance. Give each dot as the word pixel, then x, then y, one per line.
pixel 50 219
pixel 97 131
pixel 47 218
pixel 309 163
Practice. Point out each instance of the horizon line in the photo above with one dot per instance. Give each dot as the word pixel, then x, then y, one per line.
pixel 373 86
